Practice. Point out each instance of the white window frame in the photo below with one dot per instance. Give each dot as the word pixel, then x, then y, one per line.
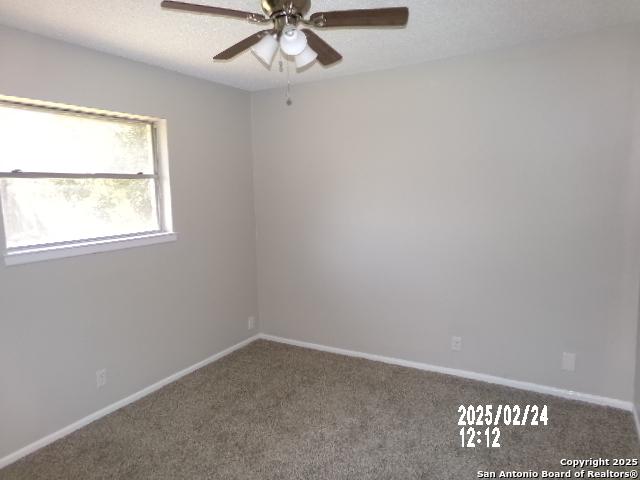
pixel 37 253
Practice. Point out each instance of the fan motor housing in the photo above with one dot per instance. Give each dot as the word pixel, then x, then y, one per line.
pixel 290 7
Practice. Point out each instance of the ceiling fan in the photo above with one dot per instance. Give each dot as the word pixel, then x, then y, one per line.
pixel 288 33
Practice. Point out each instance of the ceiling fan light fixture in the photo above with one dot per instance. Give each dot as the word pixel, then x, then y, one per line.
pixel 266 49
pixel 285 16
pixel 292 41
pixel 306 57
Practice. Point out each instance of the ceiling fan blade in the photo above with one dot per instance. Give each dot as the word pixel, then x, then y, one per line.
pixel 377 17
pixel 242 45
pixel 223 12
pixel 326 54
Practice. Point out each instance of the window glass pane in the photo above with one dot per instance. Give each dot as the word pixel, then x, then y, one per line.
pixel 37 140
pixel 39 211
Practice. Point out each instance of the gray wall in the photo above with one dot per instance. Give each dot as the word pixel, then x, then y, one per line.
pixel 488 197
pixel 142 313
pixel 636 161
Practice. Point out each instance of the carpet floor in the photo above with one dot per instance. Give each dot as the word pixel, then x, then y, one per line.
pixel 271 411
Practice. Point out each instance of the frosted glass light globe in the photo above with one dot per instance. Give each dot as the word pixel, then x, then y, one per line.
pixel 292 41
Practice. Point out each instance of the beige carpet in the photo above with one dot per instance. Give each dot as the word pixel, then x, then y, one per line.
pixel 271 411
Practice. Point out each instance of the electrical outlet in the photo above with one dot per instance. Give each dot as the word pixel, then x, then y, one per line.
pixel 101 378
pixel 252 323
pixel 456 343
pixel 569 361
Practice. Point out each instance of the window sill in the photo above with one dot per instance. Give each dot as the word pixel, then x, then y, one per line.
pixel 86 248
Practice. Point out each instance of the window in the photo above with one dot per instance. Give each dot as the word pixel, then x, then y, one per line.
pixel 73 177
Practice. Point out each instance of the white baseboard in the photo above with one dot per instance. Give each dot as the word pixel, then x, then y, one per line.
pixel 43 442
pixel 533 387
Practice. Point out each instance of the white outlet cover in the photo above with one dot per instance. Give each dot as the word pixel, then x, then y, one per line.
pixel 101 378
pixel 569 361
pixel 252 323
pixel 456 343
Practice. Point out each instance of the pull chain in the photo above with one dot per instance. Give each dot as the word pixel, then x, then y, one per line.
pixel 289 101
pixel 281 62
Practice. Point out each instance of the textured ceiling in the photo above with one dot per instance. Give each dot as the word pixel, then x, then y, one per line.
pixel 184 42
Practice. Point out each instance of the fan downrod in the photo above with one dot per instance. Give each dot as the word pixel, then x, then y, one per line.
pixel 289 7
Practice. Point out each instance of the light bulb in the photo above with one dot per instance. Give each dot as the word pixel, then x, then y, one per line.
pixel 306 57
pixel 292 41
pixel 266 49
